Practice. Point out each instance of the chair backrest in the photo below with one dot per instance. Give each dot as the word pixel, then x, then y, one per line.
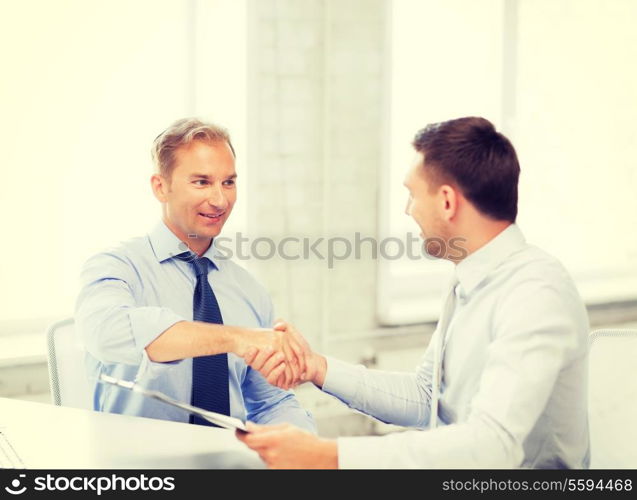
pixel 612 399
pixel 69 382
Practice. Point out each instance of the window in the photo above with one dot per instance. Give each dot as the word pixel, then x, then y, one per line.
pixel 86 88
pixel 555 77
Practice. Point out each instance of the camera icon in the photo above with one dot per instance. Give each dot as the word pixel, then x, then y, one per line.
pixel 15 489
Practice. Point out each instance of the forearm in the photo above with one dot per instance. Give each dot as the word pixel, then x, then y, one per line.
pixel 393 397
pixel 478 443
pixel 189 339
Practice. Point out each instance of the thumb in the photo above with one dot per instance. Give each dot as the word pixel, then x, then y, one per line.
pixel 252 427
pixel 280 325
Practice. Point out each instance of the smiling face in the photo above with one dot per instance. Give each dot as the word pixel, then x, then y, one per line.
pixel 199 195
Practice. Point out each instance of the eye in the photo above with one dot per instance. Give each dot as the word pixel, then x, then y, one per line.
pixel 229 182
pixel 200 182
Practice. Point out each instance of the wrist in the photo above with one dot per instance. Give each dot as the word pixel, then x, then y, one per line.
pixel 228 339
pixel 237 341
pixel 321 370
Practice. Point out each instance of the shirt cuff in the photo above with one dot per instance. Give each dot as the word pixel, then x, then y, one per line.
pixel 149 369
pixel 148 323
pixel 342 379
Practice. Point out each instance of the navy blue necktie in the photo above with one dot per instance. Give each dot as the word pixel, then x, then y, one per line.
pixel 209 373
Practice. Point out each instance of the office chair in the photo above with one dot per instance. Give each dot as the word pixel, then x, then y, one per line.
pixel 65 355
pixel 612 399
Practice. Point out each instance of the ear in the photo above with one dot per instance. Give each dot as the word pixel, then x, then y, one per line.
pixel 449 200
pixel 160 187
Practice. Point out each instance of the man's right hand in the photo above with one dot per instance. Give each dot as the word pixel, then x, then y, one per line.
pixel 282 355
pixel 299 364
pixel 277 356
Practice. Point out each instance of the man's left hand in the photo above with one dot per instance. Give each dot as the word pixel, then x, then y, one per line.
pixel 287 447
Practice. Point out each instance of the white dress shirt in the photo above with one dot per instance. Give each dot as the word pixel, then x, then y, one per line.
pixel 514 374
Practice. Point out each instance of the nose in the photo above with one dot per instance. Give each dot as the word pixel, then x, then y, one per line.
pixel 217 197
pixel 408 207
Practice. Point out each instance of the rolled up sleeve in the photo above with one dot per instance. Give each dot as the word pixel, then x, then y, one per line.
pixel 114 327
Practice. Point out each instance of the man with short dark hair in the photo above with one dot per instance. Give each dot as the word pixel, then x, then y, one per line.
pixel 502 383
pixel 168 310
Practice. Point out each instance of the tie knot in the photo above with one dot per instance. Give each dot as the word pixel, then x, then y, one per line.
pixel 199 264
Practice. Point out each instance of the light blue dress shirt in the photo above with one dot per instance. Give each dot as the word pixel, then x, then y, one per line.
pixel 132 293
pixel 514 374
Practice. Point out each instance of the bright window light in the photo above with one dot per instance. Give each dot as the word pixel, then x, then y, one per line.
pixel 557 79
pixel 86 88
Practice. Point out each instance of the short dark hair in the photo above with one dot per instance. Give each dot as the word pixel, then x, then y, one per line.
pixel 480 161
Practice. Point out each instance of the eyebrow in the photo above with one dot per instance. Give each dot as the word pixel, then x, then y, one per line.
pixel 203 176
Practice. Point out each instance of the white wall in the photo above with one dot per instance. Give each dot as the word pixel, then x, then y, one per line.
pixel 317 74
pixel 86 87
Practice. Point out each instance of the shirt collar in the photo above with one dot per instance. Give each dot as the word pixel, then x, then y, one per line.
pixel 471 271
pixel 166 245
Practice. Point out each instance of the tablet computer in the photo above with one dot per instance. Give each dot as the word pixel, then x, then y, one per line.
pixel 216 418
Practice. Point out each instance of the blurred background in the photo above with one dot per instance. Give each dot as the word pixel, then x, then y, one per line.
pixel 322 99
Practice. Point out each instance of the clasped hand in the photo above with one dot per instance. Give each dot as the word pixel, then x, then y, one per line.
pixel 286 360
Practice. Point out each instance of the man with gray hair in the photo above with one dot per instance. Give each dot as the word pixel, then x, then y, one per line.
pixel 168 310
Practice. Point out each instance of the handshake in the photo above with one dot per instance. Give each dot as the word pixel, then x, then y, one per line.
pixel 283 356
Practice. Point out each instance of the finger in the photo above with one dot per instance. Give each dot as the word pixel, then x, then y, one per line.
pixel 280 325
pixel 274 376
pixel 252 441
pixel 261 441
pixel 274 361
pixel 290 360
pixel 250 354
pixel 262 357
pixel 252 427
pixel 289 377
pixel 299 345
pixel 299 353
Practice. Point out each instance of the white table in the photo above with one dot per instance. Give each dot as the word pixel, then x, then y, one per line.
pixel 52 437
